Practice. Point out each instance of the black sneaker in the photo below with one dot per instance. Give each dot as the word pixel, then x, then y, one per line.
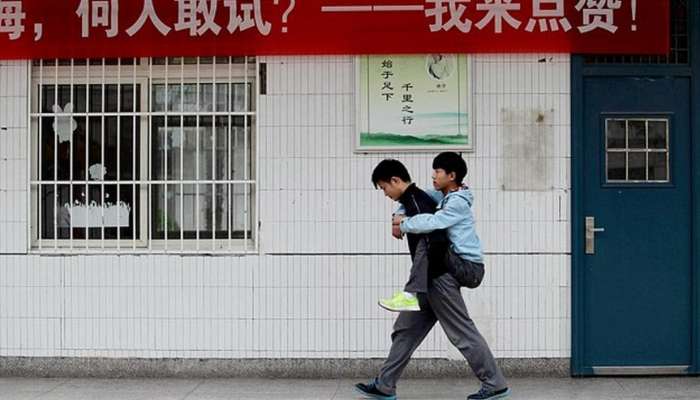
pixel 484 394
pixel 370 391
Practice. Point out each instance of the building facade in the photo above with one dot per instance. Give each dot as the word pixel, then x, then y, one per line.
pixel 244 224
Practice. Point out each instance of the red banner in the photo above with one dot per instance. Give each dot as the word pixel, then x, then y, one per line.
pixel 110 28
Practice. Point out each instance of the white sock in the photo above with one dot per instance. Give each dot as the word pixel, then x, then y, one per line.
pixel 409 295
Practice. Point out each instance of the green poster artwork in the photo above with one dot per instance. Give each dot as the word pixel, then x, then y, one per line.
pixel 413 103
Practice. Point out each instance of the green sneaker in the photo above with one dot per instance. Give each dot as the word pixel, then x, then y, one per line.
pixel 400 302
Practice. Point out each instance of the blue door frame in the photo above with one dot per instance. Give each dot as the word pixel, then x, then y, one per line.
pixel 578 72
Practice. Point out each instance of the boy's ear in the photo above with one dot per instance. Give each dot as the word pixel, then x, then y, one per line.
pixel 453 176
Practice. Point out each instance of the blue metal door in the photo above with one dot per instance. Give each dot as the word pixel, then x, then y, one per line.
pixel 637 280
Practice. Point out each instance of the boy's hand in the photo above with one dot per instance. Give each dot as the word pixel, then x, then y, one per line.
pixel 396 231
pixel 396 226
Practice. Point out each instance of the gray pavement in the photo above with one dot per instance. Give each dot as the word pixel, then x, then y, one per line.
pixel 449 389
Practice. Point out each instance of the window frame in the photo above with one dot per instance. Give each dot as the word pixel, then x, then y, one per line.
pixel 627 118
pixel 145 75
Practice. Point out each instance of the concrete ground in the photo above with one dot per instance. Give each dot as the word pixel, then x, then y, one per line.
pixel 215 389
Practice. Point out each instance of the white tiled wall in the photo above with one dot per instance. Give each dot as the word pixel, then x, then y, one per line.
pixel 13 157
pixel 326 255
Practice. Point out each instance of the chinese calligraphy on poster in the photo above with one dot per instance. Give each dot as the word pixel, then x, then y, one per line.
pixel 414 103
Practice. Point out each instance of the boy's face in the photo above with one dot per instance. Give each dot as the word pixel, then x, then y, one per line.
pixel 441 179
pixel 392 189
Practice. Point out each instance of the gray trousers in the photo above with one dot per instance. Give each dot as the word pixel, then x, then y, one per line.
pixel 418 278
pixel 443 303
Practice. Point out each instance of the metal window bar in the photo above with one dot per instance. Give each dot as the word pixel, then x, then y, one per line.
pixel 182 154
pixel 213 155
pixel 108 116
pixel 646 155
pixel 166 108
pixel 229 143
pixel 679 38
pixel 253 110
pixel 245 157
pixel 102 158
pixel 149 203
pixel 119 153
pixel 88 95
pixel 40 142
pixel 28 149
pixel 70 198
pixel 55 160
pixel 197 135
pixel 133 159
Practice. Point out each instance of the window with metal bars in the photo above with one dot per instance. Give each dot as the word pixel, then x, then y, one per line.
pixel 144 155
pixel 680 45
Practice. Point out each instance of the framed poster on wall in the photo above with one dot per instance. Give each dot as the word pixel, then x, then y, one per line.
pixel 414 103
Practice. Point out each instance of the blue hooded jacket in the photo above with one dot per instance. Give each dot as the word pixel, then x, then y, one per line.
pixel 453 213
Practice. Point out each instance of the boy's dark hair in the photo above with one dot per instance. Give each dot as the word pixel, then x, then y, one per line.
pixel 451 162
pixel 388 169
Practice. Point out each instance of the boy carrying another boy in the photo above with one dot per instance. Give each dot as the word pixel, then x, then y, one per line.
pixel 443 301
pixel 427 250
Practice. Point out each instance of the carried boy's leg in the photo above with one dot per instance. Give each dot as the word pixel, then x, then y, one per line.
pixel 448 305
pixel 467 273
pixel 417 283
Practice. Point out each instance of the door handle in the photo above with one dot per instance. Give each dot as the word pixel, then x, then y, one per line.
pixel 591 230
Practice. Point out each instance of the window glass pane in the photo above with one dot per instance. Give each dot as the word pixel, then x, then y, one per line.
pixel 166 146
pixel 240 101
pixel 48 148
pixel 47 98
pixel 129 203
pixel 222 97
pixel 223 218
pixel 65 103
pixel 92 214
pixel 129 146
pixel 166 200
pixel 109 173
pixel 637 166
pixel 636 130
pixel 206 208
pixel 616 133
pixel 658 168
pixel 197 209
pixel 239 152
pixel 55 217
pixel 114 214
pixel 223 140
pixel 95 99
pixel 55 150
pixel 240 203
pixel 234 136
pixel 79 154
pixel 128 96
pixel 95 162
pixel 79 101
pixel 188 103
pixel 111 98
pixel 657 134
pixel 206 99
pixel 173 97
pixel 616 166
pixel 190 148
pixel 206 145
pixel 189 204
